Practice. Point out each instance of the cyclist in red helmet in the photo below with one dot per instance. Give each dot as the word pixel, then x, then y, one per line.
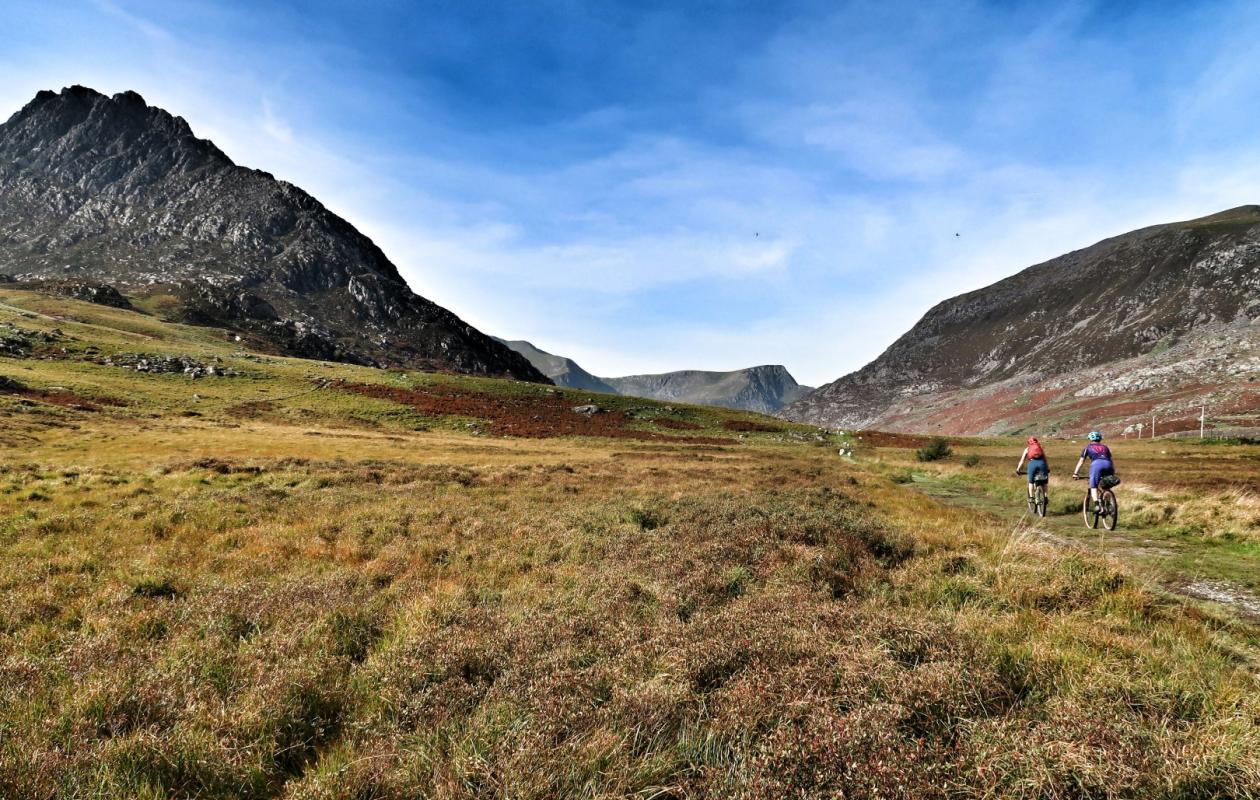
pixel 1035 455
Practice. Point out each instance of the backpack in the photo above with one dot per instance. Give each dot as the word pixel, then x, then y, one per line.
pixel 1035 451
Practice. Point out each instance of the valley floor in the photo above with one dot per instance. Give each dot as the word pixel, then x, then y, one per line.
pixel 272 584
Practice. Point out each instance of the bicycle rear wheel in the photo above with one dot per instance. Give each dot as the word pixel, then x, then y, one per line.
pixel 1111 510
pixel 1040 501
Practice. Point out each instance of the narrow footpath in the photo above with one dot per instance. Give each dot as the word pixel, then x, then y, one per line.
pixel 1152 556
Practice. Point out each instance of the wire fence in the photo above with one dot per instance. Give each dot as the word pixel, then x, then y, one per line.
pixel 1216 433
pixel 1183 431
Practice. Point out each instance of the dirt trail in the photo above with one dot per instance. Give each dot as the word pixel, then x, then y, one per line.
pixel 1068 530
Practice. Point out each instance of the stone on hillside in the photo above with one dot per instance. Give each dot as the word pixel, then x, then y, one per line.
pixel 159 364
pixel 102 294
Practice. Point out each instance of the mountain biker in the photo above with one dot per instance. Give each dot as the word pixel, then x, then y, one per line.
pixel 1035 455
pixel 1099 456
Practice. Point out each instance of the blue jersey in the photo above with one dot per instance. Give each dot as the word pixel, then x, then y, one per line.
pixel 1096 451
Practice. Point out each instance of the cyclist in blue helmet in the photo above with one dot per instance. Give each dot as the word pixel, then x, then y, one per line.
pixel 1099 456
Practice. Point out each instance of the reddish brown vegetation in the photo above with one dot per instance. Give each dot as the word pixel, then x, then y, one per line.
pixel 68 399
pixel 252 409
pixel 676 424
pixel 531 416
pixel 886 439
pixel 749 426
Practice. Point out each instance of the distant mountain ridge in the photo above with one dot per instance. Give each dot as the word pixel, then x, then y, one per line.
pixel 1152 321
pixel 765 389
pixel 561 370
pixel 112 190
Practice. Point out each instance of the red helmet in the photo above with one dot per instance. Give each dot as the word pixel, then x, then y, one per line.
pixel 1033 440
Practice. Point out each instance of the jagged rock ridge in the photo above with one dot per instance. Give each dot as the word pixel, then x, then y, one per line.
pixel 1156 300
pixel 112 190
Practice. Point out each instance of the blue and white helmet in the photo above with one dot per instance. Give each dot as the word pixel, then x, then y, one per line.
pixel 1095 436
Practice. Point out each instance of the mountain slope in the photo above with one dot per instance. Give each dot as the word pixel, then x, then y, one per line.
pixel 1151 321
pixel 111 190
pixel 561 370
pixel 765 389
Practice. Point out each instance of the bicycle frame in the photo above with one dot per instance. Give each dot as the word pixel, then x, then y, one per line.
pixel 1106 510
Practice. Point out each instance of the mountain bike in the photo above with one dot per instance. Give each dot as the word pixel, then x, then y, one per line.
pixel 1106 510
pixel 1038 501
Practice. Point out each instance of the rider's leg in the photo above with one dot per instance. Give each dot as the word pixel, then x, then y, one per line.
pixel 1095 472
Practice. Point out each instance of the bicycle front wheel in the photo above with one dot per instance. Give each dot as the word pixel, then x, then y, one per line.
pixel 1087 511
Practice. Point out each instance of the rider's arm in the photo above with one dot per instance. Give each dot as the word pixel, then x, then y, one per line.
pixel 1077 469
pixel 1022 456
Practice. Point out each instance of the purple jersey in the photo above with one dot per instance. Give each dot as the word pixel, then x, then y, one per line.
pixel 1096 451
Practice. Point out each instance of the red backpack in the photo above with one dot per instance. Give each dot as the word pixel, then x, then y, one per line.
pixel 1034 449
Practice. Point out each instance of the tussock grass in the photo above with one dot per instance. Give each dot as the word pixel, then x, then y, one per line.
pixel 388 628
pixel 335 605
pixel 934 450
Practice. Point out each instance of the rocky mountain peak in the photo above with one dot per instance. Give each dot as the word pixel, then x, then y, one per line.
pixel 113 190
pixel 92 140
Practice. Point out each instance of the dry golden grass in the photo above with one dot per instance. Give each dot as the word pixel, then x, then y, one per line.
pixel 327 603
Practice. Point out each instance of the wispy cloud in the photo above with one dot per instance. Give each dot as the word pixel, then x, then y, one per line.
pixel 274 126
pixel 144 26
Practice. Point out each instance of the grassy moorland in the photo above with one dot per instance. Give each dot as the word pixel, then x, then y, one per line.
pixel 307 580
pixel 1189 510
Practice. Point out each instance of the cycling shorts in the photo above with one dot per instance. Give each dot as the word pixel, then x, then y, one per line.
pixel 1036 465
pixel 1097 469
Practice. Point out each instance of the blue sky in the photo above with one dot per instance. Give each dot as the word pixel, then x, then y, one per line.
pixel 651 186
